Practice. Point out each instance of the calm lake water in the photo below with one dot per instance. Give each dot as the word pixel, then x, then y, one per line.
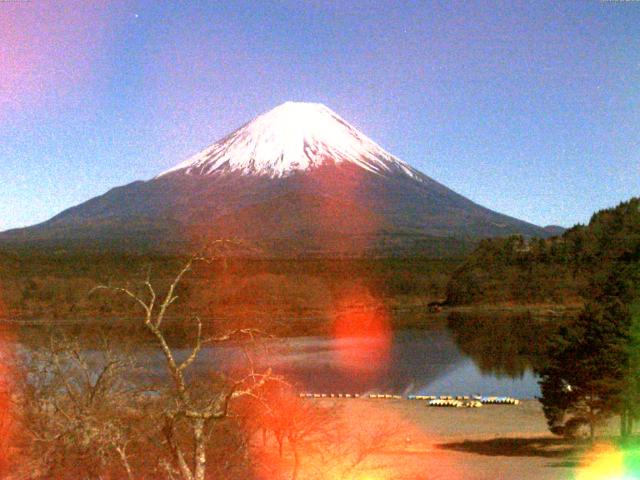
pixel 435 361
pixel 463 356
pixel 418 362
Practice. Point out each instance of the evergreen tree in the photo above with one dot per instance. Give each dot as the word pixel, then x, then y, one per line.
pixel 594 363
pixel 584 378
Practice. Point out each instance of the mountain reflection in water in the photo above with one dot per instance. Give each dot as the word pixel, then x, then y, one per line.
pixel 472 354
pixel 503 346
pixel 465 355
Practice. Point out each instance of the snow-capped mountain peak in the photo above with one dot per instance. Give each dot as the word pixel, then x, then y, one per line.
pixel 298 180
pixel 292 137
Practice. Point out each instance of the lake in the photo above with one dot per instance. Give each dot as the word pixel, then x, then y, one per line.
pixel 465 355
pixel 418 362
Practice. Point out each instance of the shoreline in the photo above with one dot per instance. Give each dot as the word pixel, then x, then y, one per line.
pixel 493 441
pixel 538 311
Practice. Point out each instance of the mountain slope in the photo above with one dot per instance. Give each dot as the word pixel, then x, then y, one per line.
pixel 299 176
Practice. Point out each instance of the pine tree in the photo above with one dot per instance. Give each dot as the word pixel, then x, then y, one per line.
pixel 584 380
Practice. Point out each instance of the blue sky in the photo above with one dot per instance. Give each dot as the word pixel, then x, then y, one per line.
pixel 529 108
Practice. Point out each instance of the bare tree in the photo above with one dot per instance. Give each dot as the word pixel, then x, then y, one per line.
pixel 185 403
pixel 89 415
pixel 315 439
pixel 351 450
pixel 302 425
pixel 78 409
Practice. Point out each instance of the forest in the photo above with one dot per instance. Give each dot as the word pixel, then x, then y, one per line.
pixel 298 293
pixel 559 270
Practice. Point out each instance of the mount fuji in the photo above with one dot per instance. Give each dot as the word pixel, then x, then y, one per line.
pixel 297 180
pixel 293 137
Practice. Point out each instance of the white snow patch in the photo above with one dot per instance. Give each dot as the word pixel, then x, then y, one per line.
pixel 292 137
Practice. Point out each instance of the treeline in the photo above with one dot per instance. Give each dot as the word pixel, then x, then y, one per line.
pixel 593 363
pixel 555 270
pixel 47 286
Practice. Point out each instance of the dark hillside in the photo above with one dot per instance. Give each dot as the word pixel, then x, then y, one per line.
pixel 518 270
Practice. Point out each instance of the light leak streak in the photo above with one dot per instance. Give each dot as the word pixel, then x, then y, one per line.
pixel 6 389
pixel 361 333
pixel 48 51
pixel 608 462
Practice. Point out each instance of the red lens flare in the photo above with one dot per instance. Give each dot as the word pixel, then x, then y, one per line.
pixel 277 427
pixel 47 51
pixel 6 389
pixel 342 222
pixel 343 439
pixel 361 333
pixel 401 448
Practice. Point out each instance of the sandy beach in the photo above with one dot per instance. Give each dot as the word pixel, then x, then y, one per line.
pixel 491 442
